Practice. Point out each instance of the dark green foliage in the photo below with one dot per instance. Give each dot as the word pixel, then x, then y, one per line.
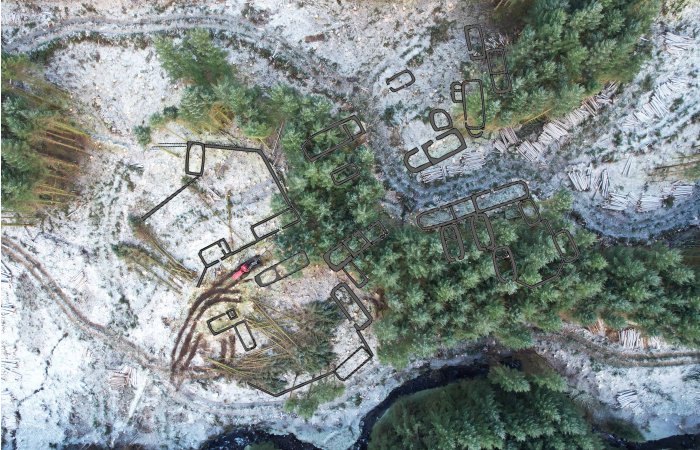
pixel 508 379
pixel 307 403
pixel 651 287
pixel 431 303
pixel 22 167
pixel 252 112
pixel 170 113
pixel 316 328
pixel 143 135
pixel 548 379
pixel 623 430
pixel 195 59
pixel 195 105
pixel 21 171
pixel 328 212
pixel 38 141
pixel 569 49
pixel 478 414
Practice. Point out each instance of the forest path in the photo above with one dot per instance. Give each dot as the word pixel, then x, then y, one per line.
pixel 159 368
pixel 176 22
pixel 610 356
pixel 322 78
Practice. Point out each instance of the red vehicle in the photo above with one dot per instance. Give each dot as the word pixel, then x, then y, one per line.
pixel 246 267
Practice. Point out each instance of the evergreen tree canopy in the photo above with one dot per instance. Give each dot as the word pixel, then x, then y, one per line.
pixel 328 212
pixel 430 303
pixel 38 141
pixel 481 414
pixel 196 59
pixel 566 50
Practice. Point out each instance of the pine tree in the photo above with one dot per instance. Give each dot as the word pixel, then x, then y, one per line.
pixel 567 50
pixel 196 59
pixel 508 379
pixel 478 414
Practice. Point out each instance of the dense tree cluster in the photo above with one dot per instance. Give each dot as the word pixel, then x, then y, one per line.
pixel 216 97
pixel 566 50
pixel 650 287
pixel 509 410
pixel 431 303
pixel 40 146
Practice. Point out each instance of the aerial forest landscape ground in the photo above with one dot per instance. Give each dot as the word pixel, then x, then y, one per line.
pixel 348 224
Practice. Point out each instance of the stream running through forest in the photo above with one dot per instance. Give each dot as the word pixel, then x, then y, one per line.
pixel 238 439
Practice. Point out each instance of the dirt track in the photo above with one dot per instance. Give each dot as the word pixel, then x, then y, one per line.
pixel 159 368
pixel 616 358
pixel 320 78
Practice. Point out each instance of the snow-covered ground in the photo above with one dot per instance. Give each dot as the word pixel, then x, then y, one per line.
pixel 70 339
pixel 656 389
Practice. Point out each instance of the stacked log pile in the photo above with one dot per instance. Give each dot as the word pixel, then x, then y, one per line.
pixel 648 202
pixel 553 131
pixel 532 151
pixel 507 138
pixel 627 398
pixel 617 202
pixel 123 378
pixel 676 44
pixel 581 179
pixel 655 343
pixel 657 107
pixel 557 130
pixel 681 190
pixel 603 184
pixel 631 338
pixel 467 162
pixel 598 328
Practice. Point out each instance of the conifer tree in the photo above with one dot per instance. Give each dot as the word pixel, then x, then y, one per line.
pixel 479 414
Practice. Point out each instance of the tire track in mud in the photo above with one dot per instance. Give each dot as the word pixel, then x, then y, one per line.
pixel 160 369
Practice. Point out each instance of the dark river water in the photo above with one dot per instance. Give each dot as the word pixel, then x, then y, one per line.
pixel 238 439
